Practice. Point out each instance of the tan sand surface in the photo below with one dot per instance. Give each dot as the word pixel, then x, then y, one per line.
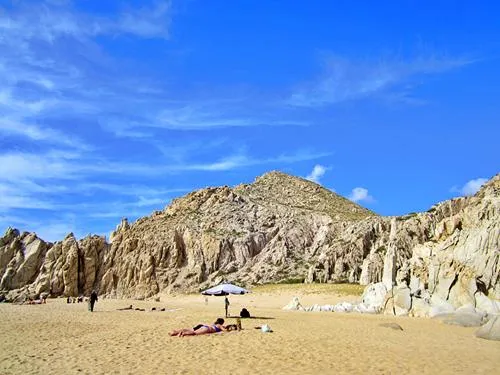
pixel 58 338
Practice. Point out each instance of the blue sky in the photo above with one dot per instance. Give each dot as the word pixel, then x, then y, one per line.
pixel 111 109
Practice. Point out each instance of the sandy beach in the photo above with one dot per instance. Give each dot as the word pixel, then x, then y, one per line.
pixel 60 338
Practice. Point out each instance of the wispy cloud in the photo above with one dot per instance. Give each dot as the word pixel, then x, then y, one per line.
pixel 49 21
pixel 241 161
pixel 195 116
pixel 16 166
pixel 317 172
pixel 360 194
pixel 17 120
pixel 33 132
pixel 345 79
pixel 471 187
pixel 198 118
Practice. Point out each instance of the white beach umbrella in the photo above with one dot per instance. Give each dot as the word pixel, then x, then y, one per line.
pixel 224 290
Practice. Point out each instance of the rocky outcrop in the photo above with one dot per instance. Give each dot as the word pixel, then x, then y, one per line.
pixel 452 272
pixel 278 229
pixel 491 330
pixel 36 268
pixel 20 258
pixel 429 263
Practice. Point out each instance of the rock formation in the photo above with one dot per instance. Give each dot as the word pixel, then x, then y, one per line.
pixel 278 229
pixel 31 267
pixel 446 259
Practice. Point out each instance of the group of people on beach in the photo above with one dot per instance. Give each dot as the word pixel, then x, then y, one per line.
pixel 91 300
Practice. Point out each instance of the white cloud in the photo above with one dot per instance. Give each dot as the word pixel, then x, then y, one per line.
pixel 345 80
pixel 17 166
pixel 50 22
pixel 360 194
pixel 317 172
pixel 471 187
pixel 10 201
pixel 199 116
pixel 75 165
pixel 35 132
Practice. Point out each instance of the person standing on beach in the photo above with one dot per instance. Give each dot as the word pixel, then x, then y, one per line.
pixel 93 300
pixel 226 302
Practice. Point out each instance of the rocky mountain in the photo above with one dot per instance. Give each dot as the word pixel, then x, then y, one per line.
pixel 280 228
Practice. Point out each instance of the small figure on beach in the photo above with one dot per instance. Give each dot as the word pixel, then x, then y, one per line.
pixel 244 313
pixel 35 302
pixel 226 303
pixel 200 329
pixel 130 307
pixel 93 300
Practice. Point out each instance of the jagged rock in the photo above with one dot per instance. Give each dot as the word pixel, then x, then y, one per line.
pixel 420 308
pixel 344 307
pixel 487 305
pixel 398 301
pixel 365 309
pixel 416 285
pixel 491 330
pixel 373 297
pixel 390 265
pixel 470 309
pixel 439 306
pixel 294 304
pixel 120 228
pixel 26 252
pixel 371 269
pixel 39 268
pixel 465 316
pixel 463 319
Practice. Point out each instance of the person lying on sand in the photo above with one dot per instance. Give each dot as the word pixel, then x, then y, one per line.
pixel 200 329
pixel 33 302
pixel 126 308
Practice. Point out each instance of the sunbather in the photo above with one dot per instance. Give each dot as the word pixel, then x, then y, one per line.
pixel 200 329
pixel 126 308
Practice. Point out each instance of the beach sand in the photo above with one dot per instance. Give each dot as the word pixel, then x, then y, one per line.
pixel 60 338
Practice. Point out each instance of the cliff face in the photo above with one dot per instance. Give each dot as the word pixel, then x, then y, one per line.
pixel 276 229
pixel 30 267
pixel 426 263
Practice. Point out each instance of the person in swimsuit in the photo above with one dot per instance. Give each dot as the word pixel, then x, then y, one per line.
pixel 200 329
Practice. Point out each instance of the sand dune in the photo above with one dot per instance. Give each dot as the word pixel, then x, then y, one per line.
pixel 67 339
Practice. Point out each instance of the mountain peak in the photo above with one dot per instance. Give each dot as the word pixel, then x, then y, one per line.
pixel 279 188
